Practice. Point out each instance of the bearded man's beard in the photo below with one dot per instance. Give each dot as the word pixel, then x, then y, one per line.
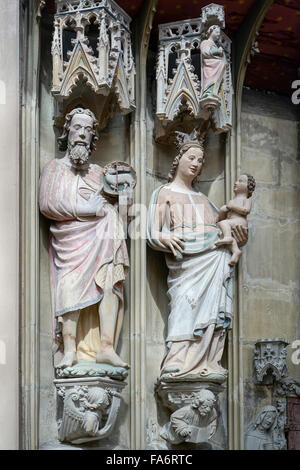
pixel 79 154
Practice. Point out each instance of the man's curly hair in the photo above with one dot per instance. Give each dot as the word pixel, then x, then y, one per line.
pixel 63 139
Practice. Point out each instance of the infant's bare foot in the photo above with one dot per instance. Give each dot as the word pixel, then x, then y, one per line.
pixel 224 241
pixel 69 359
pixel 109 356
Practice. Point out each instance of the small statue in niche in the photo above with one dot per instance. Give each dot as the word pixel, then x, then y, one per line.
pixel 212 68
pixel 262 434
pixel 235 213
pixel 195 423
pixel 88 253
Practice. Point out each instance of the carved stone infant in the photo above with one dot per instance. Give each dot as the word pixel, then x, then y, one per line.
pixel 235 213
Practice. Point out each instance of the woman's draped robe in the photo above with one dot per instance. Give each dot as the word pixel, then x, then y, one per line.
pixel 200 285
pixel 84 251
pixel 212 69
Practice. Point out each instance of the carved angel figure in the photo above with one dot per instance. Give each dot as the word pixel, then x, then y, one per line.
pixel 83 415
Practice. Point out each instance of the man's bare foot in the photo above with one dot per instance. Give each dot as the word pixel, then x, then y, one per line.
pixel 69 359
pixel 235 257
pixel 224 241
pixel 109 356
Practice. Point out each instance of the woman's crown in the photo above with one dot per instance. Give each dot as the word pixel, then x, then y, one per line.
pixel 195 138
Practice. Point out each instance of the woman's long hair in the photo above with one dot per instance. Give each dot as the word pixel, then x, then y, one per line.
pixel 176 160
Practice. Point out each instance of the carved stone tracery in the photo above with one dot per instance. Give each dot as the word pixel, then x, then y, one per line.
pixel 101 60
pixel 270 360
pixel 179 83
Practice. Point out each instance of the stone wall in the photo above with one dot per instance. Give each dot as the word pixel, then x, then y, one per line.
pixel 270 268
pixel 10 225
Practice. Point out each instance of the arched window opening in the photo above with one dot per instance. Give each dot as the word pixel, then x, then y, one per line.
pixel 68 34
pixel 196 58
pixel 172 62
pixel 92 33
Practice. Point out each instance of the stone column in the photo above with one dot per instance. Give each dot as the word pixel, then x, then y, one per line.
pixel 9 233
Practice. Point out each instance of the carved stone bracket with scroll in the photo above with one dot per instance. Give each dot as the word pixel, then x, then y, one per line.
pixel 92 51
pixel 185 89
pixel 88 408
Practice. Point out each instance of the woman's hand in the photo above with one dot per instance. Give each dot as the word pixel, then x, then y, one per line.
pixel 173 242
pixel 240 234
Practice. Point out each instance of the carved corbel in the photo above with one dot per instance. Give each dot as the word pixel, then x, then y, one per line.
pixel 270 360
pixel 194 412
pixel 89 409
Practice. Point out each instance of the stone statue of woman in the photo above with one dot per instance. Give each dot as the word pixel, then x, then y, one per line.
pixel 182 223
pixel 213 65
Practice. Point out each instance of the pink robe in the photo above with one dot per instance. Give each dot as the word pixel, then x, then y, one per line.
pixel 81 249
pixel 213 67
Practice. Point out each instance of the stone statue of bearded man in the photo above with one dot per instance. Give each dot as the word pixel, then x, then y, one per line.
pixel 88 254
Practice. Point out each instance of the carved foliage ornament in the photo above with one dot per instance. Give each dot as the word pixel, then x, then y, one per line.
pixel 92 45
pixel 270 360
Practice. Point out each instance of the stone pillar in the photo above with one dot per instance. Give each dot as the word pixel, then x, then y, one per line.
pixel 9 234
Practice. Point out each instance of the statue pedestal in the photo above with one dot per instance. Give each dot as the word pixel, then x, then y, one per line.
pixel 210 103
pixel 87 408
pixel 92 369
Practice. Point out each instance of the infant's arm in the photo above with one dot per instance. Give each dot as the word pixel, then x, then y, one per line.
pixel 222 213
